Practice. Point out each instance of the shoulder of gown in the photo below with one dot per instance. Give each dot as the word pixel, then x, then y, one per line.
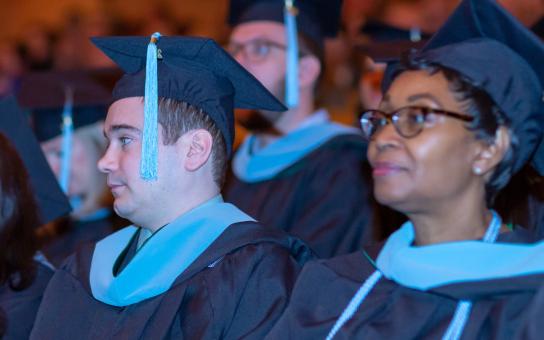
pixel 236 289
pixel 20 307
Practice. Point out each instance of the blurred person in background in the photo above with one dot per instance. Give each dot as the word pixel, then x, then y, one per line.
pixel 72 151
pixel 36 48
pixel 11 68
pixel 29 196
pixel 73 49
pixel 297 170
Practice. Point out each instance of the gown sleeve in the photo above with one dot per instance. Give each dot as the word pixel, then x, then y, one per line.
pixel 262 291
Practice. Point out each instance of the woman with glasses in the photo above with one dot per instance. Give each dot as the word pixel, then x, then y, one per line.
pixel 458 118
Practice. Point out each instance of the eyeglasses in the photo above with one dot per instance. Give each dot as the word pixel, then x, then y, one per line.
pixel 254 50
pixel 257 50
pixel 408 121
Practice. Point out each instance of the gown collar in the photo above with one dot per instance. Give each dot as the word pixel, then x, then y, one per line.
pixel 427 267
pixel 162 258
pixel 254 165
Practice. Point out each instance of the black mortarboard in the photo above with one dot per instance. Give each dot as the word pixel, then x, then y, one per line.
pixel 318 19
pixel 51 201
pixel 194 70
pixel 107 77
pixel 47 123
pixel 45 94
pixel 383 42
pixel 484 43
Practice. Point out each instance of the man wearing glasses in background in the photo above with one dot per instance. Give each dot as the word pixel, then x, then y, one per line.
pixel 297 170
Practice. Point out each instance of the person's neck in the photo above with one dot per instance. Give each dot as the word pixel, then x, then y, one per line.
pixel 187 202
pixel 289 121
pixel 451 221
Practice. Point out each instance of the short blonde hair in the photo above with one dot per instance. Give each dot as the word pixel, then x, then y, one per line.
pixel 92 136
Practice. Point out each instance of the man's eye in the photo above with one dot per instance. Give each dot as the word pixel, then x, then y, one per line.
pixel 125 140
pixel 260 49
pixel 54 153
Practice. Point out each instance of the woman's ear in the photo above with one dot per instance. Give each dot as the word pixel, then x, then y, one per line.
pixel 492 154
pixel 200 144
pixel 308 72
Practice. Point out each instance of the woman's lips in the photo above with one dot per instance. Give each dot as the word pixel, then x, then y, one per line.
pixel 385 169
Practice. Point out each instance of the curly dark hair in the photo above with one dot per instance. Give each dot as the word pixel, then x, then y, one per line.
pixel 18 220
pixel 487 117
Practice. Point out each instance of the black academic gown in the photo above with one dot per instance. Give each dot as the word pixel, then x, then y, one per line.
pixel 392 311
pixel 324 199
pixel 536 211
pixel 533 327
pixel 236 289
pixel 74 234
pixel 20 307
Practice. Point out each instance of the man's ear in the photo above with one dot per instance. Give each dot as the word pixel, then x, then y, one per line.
pixel 492 154
pixel 308 72
pixel 200 144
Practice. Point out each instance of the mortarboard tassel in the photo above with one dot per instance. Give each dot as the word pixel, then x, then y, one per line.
pixel 67 133
pixel 150 139
pixel 291 80
pixel 415 34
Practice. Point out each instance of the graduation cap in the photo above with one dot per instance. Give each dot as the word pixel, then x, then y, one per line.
pixel 107 77
pixel 317 19
pixel 383 42
pixel 61 101
pixel 47 93
pixel 194 70
pixel 51 201
pixel 487 45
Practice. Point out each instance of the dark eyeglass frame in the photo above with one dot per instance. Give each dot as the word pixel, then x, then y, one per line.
pixel 393 117
pixel 235 48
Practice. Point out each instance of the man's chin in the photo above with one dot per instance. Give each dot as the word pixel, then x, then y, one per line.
pixel 122 209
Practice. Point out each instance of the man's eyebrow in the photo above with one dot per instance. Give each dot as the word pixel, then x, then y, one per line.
pixel 259 37
pixel 119 127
